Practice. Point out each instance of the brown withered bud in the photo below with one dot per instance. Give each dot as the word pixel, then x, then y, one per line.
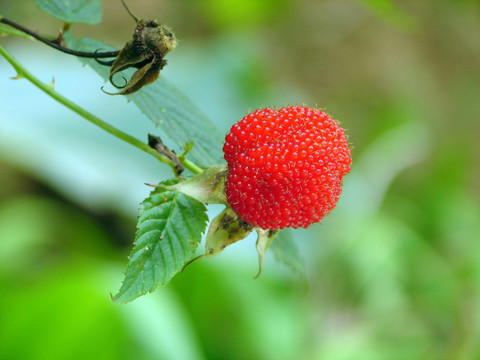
pixel 145 52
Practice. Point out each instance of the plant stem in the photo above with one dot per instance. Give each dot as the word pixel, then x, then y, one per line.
pixel 53 44
pixel 22 72
pixel 194 168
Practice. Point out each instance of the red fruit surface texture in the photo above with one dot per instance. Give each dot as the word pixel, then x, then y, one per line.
pixel 285 166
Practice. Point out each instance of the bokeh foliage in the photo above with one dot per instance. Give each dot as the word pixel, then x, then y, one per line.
pixel 393 272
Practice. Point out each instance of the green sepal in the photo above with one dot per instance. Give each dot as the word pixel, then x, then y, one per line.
pixel 226 229
pixel 207 187
pixel 265 238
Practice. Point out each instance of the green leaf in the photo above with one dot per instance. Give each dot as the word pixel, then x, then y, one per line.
pixel 169 229
pixel 286 251
pixel 183 122
pixel 168 108
pixel 73 11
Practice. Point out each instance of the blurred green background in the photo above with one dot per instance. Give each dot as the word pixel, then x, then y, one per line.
pixel 392 273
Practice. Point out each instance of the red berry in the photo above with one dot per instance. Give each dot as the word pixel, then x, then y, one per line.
pixel 285 166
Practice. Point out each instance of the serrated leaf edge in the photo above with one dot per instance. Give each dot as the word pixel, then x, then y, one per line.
pixel 120 294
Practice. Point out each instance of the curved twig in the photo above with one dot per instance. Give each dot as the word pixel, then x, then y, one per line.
pixel 55 45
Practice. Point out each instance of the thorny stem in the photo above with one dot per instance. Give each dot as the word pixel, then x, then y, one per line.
pixel 57 46
pixel 22 72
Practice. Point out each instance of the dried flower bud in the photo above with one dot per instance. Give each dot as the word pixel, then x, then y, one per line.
pixel 145 52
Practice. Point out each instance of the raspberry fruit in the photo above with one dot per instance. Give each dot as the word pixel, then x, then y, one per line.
pixel 285 166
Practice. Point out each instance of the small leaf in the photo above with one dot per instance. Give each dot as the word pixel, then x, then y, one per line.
pixel 286 251
pixel 169 229
pixel 167 108
pixel 73 11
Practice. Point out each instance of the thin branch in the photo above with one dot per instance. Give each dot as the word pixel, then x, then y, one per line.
pixel 22 72
pixel 194 168
pixel 57 46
